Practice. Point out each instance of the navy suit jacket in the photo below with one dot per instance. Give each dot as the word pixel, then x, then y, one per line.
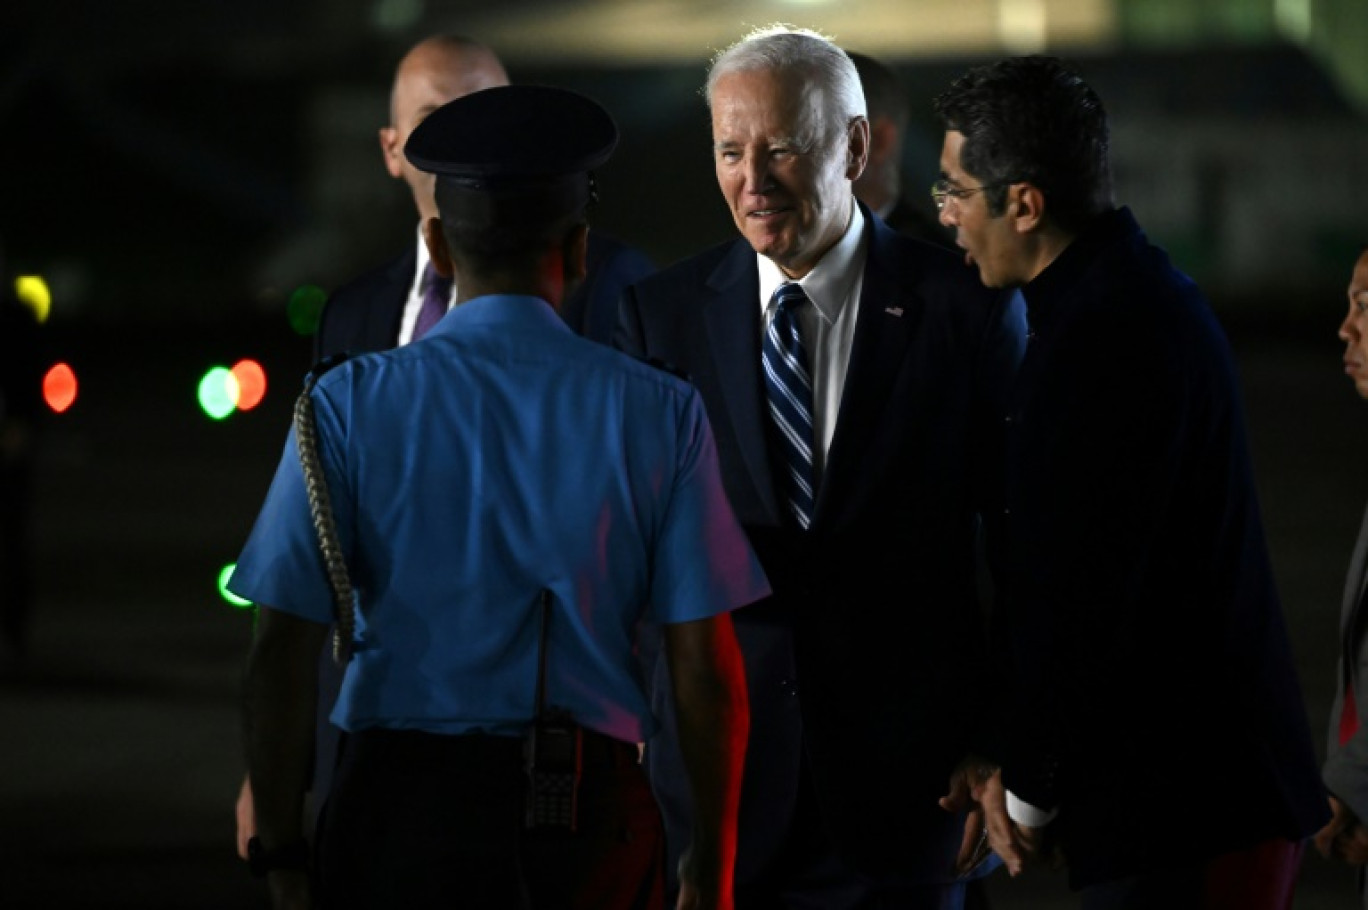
pixel 870 653
pixel 364 314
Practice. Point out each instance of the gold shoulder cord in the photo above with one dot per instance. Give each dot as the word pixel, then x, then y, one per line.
pixel 320 507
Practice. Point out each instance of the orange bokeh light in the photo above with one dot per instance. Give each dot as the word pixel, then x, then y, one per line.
pixel 59 387
pixel 251 380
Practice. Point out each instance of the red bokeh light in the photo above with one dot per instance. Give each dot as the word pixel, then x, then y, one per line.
pixel 251 380
pixel 59 387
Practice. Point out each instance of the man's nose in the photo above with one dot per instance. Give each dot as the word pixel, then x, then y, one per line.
pixel 1348 331
pixel 758 177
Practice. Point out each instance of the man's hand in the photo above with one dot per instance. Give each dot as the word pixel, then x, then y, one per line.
pixel 976 789
pixel 246 817
pixel 699 892
pixel 1344 837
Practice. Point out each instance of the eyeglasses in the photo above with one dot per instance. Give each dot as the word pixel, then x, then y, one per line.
pixel 942 190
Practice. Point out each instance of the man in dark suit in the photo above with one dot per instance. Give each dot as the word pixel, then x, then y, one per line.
pixel 1346 758
pixel 881 185
pixel 866 667
pixel 1152 718
pixel 384 308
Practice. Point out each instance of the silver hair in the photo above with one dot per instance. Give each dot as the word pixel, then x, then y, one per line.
pixel 786 47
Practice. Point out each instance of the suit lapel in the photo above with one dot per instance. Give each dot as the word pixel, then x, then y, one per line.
pixel 387 315
pixel 882 335
pixel 732 317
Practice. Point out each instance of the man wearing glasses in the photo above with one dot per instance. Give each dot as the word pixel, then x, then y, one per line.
pixel 1154 728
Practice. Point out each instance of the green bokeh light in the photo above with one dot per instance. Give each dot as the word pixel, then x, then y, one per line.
pixel 218 393
pixel 227 595
pixel 305 308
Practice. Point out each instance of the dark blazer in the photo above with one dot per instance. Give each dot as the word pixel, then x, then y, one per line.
pixel 869 655
pixel 364 314
pixel 1153 697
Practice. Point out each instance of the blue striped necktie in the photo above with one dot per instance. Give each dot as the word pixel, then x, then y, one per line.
pixel 788 386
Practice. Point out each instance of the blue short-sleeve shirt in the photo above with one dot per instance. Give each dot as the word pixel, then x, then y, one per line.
pixel 499 456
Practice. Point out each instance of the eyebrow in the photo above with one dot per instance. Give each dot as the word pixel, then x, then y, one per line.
pixel 785 141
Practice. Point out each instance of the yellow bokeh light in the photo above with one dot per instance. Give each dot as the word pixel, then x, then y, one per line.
pixel 33 292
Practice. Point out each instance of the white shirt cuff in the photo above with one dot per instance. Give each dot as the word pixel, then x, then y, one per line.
pixel 1023 813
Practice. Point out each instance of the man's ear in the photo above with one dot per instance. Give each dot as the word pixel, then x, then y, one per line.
pixel 437 248
pixel 1025 207
pixel 576 254
pixel 858 149
pixel 393 151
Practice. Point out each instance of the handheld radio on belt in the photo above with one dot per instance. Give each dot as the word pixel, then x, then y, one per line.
pixel 552 753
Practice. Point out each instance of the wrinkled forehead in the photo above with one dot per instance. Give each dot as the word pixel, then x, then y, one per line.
pixel 775 104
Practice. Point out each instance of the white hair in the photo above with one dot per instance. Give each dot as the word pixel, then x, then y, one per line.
pixel 786 47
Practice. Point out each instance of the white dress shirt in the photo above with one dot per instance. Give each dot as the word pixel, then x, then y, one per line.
pixel 828 326
pixel 415 294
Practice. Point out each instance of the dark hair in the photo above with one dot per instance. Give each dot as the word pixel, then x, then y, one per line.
pixel 884 94
pixel 506 234
pixel 1033 120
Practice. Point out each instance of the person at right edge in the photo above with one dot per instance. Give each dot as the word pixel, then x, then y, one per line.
pixel 1151 727
pixel 1346 761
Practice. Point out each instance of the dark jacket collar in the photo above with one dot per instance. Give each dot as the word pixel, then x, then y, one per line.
pixel 1044 292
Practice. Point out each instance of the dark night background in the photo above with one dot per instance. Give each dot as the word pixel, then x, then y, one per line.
pixel 177 172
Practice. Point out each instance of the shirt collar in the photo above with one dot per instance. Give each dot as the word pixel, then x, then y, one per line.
pixel 422 261
pixel 830 281
pixel 507 310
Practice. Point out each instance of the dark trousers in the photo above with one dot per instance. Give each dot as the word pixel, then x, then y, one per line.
pixel 423 821
pixel 810 875
pixel 1259 878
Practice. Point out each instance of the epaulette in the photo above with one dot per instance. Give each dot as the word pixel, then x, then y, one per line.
pixel 323 366
pixel 327 363
pixel 667 367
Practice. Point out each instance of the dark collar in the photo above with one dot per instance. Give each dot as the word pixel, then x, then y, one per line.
pixel 1045 292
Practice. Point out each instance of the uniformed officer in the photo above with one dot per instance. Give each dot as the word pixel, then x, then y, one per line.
pixel 497 507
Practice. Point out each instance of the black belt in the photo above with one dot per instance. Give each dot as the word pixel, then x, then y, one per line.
pixel 598 750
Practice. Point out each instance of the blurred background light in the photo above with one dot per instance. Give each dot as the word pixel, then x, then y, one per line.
pixel 33 292
pixel 392 16
pixel 59 387
pixel 251 384
pixel 218 393
pixel 305 308
pixel 224 574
